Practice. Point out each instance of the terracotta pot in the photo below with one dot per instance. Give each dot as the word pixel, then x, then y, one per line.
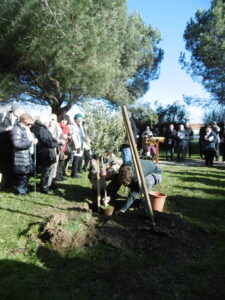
pixel 157 200
pixel 108 211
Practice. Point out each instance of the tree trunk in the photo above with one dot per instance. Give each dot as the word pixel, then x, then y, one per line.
pixel 98 185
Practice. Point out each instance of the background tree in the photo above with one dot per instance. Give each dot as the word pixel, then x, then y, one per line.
pixel 172 113
pixel 59 52
pixel 205 40
pixel 143 116
pixel 217 115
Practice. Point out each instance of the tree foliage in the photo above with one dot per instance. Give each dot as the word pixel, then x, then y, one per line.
pixel 216 114
pixel 59 52
pixel 104 127
pixel 172 113
pixel 143 115
pixel 205 40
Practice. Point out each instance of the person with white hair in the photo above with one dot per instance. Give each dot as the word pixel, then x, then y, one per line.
pixel 22 140
pixel 7 121
pixel 45 153
pixel 182 140
pixel 209 144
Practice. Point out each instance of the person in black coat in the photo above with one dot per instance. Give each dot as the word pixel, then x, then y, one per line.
pixel 202 133
pixel 45 153
pixel 222 141
pixel 22 140
pixel 7 122
pixel 170 139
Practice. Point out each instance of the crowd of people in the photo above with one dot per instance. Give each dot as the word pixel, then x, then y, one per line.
pixel 179 142
pixel 44 145
pixel 48 145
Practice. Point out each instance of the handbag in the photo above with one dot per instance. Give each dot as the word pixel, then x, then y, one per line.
pixel 68 150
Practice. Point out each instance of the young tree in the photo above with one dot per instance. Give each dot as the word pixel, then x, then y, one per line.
pixel 59 52
pixel 105 128
pixel 205 40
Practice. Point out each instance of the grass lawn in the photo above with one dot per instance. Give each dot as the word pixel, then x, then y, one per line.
pixel 31 269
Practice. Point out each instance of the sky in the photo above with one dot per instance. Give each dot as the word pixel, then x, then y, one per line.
pixel 170 17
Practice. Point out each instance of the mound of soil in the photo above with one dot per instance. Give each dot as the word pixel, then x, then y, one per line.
pixel 58 233
pixel 172 236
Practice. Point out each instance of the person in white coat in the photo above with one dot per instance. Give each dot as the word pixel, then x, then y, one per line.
pixel 77 145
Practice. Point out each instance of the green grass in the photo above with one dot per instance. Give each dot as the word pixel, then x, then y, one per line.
pixel 30 269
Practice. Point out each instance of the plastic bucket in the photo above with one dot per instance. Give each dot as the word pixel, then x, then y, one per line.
pixel 157 200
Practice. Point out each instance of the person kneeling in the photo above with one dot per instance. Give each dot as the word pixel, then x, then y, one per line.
pixel 127 176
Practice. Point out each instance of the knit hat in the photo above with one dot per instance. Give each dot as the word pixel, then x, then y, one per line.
pixel 15 106
pixel 77 116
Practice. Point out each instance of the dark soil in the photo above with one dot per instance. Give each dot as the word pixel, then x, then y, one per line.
pixel 172 236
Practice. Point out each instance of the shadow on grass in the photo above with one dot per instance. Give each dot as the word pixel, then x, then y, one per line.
pixel 97 274
pixel 207 181
pixel 194 173
pixel 204 211
pixel 73 192
pixel 103 273
pixel 210 191
pixel 21 212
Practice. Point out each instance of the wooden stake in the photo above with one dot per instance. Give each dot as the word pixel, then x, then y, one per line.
pixel 137 164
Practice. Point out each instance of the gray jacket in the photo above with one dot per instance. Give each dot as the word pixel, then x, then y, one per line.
pixel 21 154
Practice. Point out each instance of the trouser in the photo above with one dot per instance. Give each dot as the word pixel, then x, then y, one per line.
pixel 209 155
pixel 201 149
pixel 223 150
pixel 46 177
pixel 21 183
pixel 87 158
pixel 189 149
pixel 60 170
pixel 55 165
pixel 76 165
pixel 150 180
pixel 8 179
pixel 217 152
pixel 126 155
pixel 181 153
pixel 170 152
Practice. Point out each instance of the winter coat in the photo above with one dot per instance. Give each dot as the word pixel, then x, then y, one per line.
pixel 46 143
pixel 182 142
pixel 22 160
pixel 6 147
pixel 77 139
pixel 209 142
pixel 170 137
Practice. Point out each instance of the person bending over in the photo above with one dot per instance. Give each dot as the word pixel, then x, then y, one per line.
pixel 127 176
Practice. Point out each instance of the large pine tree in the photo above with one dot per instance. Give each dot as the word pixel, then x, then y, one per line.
pixel 58 52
